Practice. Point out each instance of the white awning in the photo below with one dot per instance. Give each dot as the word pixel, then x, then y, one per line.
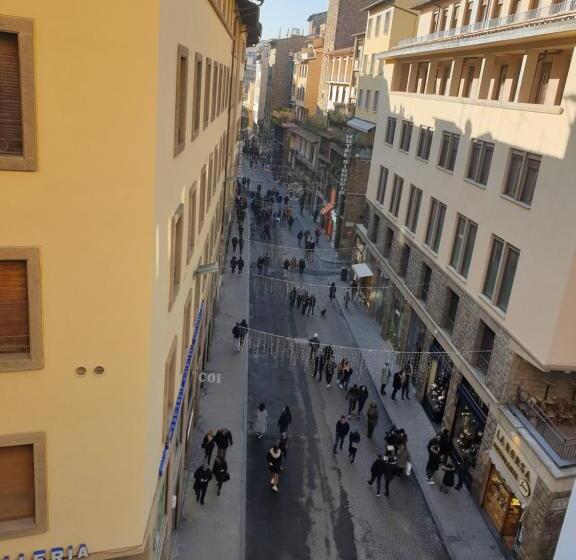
pixel 359 124
pixel 362 270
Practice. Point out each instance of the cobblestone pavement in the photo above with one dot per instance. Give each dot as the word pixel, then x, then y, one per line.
pixel 324 508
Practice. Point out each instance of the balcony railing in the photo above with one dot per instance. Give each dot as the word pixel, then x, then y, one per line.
pixel 563 445
pixel 544 13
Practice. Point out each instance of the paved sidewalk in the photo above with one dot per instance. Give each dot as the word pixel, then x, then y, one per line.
pixel 217 529
pixel 461 525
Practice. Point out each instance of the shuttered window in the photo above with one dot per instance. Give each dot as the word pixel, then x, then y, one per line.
pixel 17 483
pixel 11 137
pixel 14 316
pixel 181 100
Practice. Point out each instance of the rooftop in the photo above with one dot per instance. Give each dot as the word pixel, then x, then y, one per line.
pixel 379 3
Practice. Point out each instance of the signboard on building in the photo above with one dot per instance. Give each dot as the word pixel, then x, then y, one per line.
pixel 346 161
pixel 517 470
pixel 56 553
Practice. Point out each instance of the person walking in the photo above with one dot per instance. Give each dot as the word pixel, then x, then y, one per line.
pixel 353 441
pixel 208 445
pixel 347 299
pixel 233 264
pixel 261 423
pixel 342 429
pixel 372 419
pixel 389 472
pixel 396 384
pixel 330 368
pixel 202 476
pixel 318 365
pixel 290 223
pixel 260 264
pixel 236 335
pixel 311 304
pixel 402 459
pixel 301 266
pixel 286 265
pixel 234 244
pixel 362 398
pixel 384 378
pixel 241 244
pixel 220 470
pixel 447 478
pixel 284 420
pixel 406 377
pixel 240 263
pixel 223 440
pixel 314 344
pixel 377 470
pixel 274 460
pixel 433 463
pixel 283 445
pixel 353 397
pixel 299 237
pixel 332 292
pixel 266 263
pixel 346 375
pixel 305 303
pixel 243 332
pixel 444 445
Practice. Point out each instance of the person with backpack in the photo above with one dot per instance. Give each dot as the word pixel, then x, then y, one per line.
pixel 236 335
pixel 377 471
pixel 353 441
pixel 330 367
pixel 362 398
pixel 223 440
pixel 284 420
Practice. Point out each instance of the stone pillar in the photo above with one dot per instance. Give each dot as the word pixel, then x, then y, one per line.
pixel 526 79
pixel 454 82
pixel 486 75
pixel 431 78
pixel 412 77
pixel 422 373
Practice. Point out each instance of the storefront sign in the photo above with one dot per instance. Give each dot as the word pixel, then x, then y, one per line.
pixel 346 162
pixel 57 553
pixel 515 463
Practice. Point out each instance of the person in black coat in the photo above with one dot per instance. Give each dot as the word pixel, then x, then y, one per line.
pixel 444 445
pixel 353 441
pixel 318 365
pixel 389 472
pixel 377 471
pixel 396 384
pixel 208 444
pixel 274 460
pixel 448 478
pixel 362 398
pixel 234 243
pixel 240 263
pixel 220 470
pixel 202 477
pixel 353 397
pixel 223 440
pixel 233 264
pixel 433 463
pixel 285 420
pixel 342 429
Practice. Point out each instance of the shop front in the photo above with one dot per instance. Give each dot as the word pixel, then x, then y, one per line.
pixel 509 488
pixel 363 277
pixel 415 344
pixel 468 429
pixel 437 383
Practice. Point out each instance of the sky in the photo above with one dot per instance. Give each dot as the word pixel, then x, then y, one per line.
pixel 285 14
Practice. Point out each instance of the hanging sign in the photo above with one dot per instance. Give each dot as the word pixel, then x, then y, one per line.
pixel 56 553
pixel 346 161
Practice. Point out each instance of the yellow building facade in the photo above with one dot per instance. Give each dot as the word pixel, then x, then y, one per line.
pixel 306 78
pixel 119 125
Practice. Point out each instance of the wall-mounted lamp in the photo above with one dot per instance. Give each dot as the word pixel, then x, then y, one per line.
pixel 99 370
pixel 81 371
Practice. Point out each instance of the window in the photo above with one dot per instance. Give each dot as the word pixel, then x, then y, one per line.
pixel 405 136
pixel 181 97
pixel 389 240
pixel 448 151
pixel 191 222
pixel 367 100
pixel 486 338
pixel 467 18
pixel 23 508
pixel 502 267
pixel 17 95
pixel 434 21
pixel 479 162
pixel 521 177
pixel 451 310
pixel 377 27
pixel 386 22
pixel 369 30
pixel 169 385
pixel 454 21
pixel 374 229
pixel 176 232
pixel 390 130
pixel 413 208
pixel 375 103
pixel 216 74
pixel 360 96
pixel 382 180
pixel 499 86
pixel 186 321
pixel 404 260
pixel 435 224
pixel 207 84
pixel 202 197
pixel 425 279
pixel 210 182
pixel 396 195
pixel 196 106
pixel 20 310
pixel 463 245
pixel 372 61
pixel 424 142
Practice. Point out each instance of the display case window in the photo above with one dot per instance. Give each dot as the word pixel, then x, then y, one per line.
pixel 439 375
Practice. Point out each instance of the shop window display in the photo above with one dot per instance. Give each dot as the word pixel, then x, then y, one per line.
pixel 439 374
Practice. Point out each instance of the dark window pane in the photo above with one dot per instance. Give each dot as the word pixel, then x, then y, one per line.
pixel 508 279
pixel 493 265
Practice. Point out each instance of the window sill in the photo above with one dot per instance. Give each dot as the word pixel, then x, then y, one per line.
pixel 17 163
pixel 445 170
pixel 429 249
pixel 19 362
pixel 517 202
pixel 455 273
pixel 405 152
pixel 20 528
pixel 395 218
pixel 390 145
pixel 492 306
pixel 411 233
pixel 479 185
pixel 422 159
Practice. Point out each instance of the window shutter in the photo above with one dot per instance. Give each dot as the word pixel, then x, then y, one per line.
pixel 10 98
pixel 16 482
pixel 14 320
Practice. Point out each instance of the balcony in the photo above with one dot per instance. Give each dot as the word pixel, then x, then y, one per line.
pixel 554 420
pixel 529 19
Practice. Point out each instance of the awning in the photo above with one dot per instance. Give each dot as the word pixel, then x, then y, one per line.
pixel 359 124
pixel 326 209
pixel 306 134
pixel 362 270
